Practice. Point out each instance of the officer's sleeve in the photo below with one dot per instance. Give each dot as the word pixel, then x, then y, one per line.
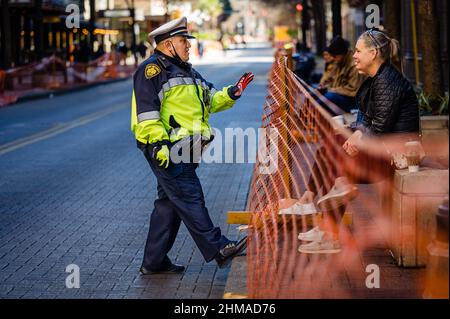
pixel 149 128
pixel 218 100
pixel 221 100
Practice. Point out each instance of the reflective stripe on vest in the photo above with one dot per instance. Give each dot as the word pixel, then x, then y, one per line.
pixel 152 115
pixel 179 81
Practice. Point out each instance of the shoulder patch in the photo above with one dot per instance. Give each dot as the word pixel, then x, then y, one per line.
pixel 152 70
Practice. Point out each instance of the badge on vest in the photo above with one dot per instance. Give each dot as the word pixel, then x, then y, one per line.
pixel 152 70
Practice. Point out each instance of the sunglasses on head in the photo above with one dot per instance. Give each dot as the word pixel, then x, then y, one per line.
pixel 371 34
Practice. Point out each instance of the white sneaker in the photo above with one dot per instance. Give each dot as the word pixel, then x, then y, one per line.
pixel 307 209
pixel 307 197
pixel 299 209
pixel 314 234
pixel 291 210
pixel 285 206
pixel 340 194
pixel 321 247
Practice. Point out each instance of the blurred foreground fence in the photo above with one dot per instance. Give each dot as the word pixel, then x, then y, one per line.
pixel 309 153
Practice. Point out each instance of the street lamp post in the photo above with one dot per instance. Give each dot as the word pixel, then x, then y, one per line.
pixel 166 7
pixel 91 26
pixel 337 17
pixel 133 36
pixel 6 54
pixel 298 15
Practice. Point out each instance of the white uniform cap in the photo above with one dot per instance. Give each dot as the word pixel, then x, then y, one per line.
pixel 170 29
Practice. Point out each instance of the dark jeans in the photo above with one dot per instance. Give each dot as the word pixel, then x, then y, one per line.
pixel 180 198
pixel 346 103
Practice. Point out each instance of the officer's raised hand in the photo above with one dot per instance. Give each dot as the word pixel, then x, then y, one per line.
pixel 236 91
pixel 162 155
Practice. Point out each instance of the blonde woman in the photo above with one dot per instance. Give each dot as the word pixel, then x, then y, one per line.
pixel 386 100
pixel 387 104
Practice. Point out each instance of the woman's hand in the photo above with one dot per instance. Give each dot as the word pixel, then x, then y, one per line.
pixel 351 145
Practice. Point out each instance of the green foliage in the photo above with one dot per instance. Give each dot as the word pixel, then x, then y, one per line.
pixel 443 109
pixel 206 35
pixel 293 33
pixel 425 102
pixel 212 7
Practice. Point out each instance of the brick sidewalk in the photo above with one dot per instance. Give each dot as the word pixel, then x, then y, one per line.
pixel 395 282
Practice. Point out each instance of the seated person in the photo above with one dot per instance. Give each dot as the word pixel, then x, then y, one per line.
pixel 387 105
pixel 345 81
pixel 304 62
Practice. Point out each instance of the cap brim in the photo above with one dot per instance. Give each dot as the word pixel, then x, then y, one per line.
pixel 186 35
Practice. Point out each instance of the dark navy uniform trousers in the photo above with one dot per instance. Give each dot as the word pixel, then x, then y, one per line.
pixel 180 198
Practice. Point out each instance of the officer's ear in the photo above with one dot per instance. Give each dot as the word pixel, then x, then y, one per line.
pixel 169 46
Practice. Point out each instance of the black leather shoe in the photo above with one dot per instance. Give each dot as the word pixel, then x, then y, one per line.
pixel 172 269
pixel 230 251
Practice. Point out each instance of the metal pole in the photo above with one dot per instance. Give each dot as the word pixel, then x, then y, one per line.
pixel 337 18
pixel 284 135
pixel 91 26
pixel 305 23
pixel 166 15
pixel 133 35
pixel 414 34
pixel 6 43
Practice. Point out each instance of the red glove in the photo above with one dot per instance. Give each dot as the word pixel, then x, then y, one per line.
pixel 242 84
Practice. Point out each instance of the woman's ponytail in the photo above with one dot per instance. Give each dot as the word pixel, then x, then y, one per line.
pixel 395 54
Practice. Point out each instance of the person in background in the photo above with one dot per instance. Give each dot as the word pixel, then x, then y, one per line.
pixel 142 49
pixel 200 48
pixel 328 74
pixel 345 82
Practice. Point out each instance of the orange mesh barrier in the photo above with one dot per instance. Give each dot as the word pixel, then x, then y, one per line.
pixel 309 154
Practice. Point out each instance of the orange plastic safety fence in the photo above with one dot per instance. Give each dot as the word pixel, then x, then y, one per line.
pixel 308 154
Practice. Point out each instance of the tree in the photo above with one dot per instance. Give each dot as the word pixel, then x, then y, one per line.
pixel 312 9
pixel 212 7
pixel 392 9
pixel 5 36
pixel 318 10
pixel 430 48
pixel 337 17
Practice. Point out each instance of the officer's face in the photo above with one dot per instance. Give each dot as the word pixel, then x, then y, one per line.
pixel 181 45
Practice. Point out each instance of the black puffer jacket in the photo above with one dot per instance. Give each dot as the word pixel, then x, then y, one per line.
pixel 388 103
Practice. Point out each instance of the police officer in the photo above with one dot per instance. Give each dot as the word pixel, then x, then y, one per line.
pixel 171 103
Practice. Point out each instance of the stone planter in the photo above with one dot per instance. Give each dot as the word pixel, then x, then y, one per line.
pixel 435 130
pixel 415 201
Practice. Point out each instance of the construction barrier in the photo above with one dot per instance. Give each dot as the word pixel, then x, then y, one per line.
pixel 303 144
pixel 53 73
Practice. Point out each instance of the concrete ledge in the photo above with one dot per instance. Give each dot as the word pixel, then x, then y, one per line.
pixel 415 201
pixel 245 218
pixel 434 122
pixel 426 181
pixel 435 136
